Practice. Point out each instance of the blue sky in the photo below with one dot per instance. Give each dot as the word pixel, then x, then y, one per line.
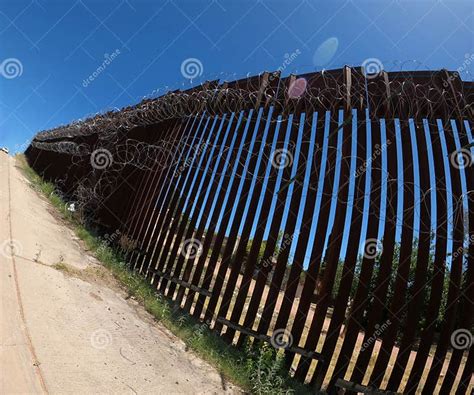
pixel 57 45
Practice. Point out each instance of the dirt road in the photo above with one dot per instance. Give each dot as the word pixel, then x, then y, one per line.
pixel 63 333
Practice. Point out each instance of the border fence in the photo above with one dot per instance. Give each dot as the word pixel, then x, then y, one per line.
pixel 330 214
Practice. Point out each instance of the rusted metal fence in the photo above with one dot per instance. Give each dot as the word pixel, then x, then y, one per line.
pixel 331 214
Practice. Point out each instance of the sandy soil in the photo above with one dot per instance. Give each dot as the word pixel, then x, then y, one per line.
pixel 76 332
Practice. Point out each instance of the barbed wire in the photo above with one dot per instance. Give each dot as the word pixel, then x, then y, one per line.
pixel 412 93
pixel 102 144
